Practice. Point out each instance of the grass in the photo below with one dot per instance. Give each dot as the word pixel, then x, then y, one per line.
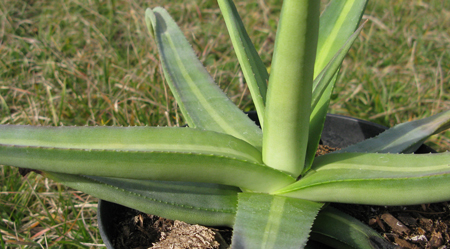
pixel 92 63
pixel 399 69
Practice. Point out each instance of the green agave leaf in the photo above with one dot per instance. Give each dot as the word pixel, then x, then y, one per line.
pixel 321 83
pixel 375 179
pixel 339 230
pixel 316 124
pixel 168 139
pixel 286 122
pixel 323 80
pixel 197 203
pixel 267 221
pixel 403 138
pixel 201 101
pixel 172 154
pixel 151 165
pixel 255 72
pixel 337 23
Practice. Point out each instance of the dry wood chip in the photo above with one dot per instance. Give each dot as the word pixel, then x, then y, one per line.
pixel 380 224
pixel 405 244
pixel 421 231
pixel 407 219
pixel 426 224
pixel 395 224
pixel 436 240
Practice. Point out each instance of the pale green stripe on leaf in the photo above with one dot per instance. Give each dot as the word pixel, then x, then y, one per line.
pixel 375 179
pixel 255 72
pixel 201 101
pixel 167 139
pixel 267 221
pixel 403 138
pixel 339 230
pixel 288 105
pixel 337 23
pixel 323 80
pixel 197 203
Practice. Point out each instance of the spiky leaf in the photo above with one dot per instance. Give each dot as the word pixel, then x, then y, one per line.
pixel 267 221
pixel 201 101
pixel 198 203
pixel 172 154
pixel 339 230
pixel 403 138
pixel 375 179
pixel 252 66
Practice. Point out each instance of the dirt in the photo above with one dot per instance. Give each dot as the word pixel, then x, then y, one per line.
pixel 419 226
pixel 142 231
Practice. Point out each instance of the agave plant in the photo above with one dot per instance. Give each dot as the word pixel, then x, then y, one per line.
pixel 223 169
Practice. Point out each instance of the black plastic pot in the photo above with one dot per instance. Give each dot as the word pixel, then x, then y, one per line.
pixel 339 131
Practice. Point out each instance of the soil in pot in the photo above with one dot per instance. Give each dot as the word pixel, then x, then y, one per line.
pixel 139 230
pixel 418 226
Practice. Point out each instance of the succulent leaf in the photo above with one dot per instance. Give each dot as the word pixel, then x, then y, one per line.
pixel 339 230
pixel 267 221
pixel 375 179
pixel 403 138
pixel 172 154
pixel 323 81
pixel 253 68
pixel 198 203
pixel 202 102
pixel 288 105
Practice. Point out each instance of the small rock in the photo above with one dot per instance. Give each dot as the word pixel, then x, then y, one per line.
pixel 422 239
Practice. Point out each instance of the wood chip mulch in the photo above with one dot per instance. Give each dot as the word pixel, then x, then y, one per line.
pixel 418 226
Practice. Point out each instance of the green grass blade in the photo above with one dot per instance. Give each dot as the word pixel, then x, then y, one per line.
pixel 325 80
pixel 201 101
pixel 288 104
pixel 339 230
pixel 198 203
pixel 255 72
pixel 167 139
pixel 403 138
pixel 267 221
pixel 375 179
